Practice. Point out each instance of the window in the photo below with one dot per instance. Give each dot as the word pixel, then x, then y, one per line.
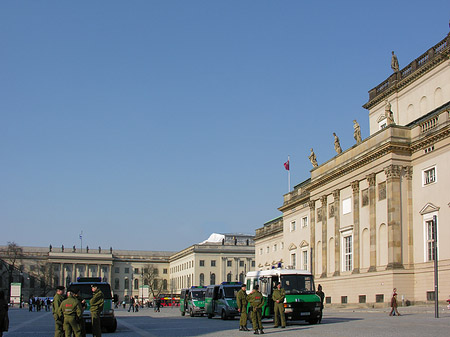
pixel 293 260
pixel 328 299
pixel 347 247
pixel 343 299
pixel 382 191
pixel 212 279
pixel 213 264
pixel 275 247
pixel 282 245
pixel 229 277
pixel 429 224
pixel 365 197
pixel 202 263
pixel 305 259
pixel 253 264
pixel 202 279
pixel 347 206
pixel 127 270
pixel 241 277
pixel 145 270
pixel 304 222
pixel 241 263
pixel 293 226
pixel 31 282
pixel 267 249
pixel 116 284
pixel 136 284
pixel 431 295
pixel 379 298
pixel 126 284
pixel 229 263
pixel 165 271
pixel 136 270
pixel 165 284
pixel 362 298
pixel 117 270
pixel 260 251
pixel 429 176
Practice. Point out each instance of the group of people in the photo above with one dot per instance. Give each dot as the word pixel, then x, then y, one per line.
pixel 68 312
pixel 36 304
pixel 256 300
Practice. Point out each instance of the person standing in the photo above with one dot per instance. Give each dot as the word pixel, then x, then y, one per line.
pixel 256 302
pixel 278 304
pixel 131 303
pixel 82 301
pixel 70 308
pixel 57 300
pixel 241 300
pixel 96 303
pixel 3 313
pixel 321 294
pixel 394 304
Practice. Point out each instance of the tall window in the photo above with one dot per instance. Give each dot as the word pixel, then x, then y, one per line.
pixel 241 277
pixel 116 283
pixel 305 259
pixel 164 284
pixel 202 279
pixel 213 264
pixel 126 284
pixel 229 277
pixel 348 252
pixel 304 222
pixel 229 263
pixel 294 260
pixel 136 284
pixel 213 279
pixel 202 263
pixel 430 239
pixel 293 226
pixel 429 176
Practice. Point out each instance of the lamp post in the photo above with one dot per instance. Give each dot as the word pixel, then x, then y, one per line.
pixel 142 287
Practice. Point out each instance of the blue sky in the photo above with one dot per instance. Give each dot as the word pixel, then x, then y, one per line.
pixel 151 124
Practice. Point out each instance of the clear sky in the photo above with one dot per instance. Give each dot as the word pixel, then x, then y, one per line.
pixel 149 125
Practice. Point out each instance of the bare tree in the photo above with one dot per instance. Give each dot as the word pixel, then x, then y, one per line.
pixel 152 279
pixel 12 255
pixel 45 274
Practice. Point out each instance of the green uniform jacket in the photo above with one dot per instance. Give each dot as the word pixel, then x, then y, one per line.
pixel 256 299
pixel 278 295
pixel 57 300
pixel 241 299
pixel 70 307
pixel 97 302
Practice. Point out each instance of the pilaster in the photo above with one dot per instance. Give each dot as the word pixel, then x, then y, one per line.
pixel 356 239
pixel 371 178
pixel 324 206
pixel 312 215
pixel 337 233
pixel 409 206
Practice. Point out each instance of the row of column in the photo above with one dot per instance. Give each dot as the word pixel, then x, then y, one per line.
pixel 63 274
pixel 394 221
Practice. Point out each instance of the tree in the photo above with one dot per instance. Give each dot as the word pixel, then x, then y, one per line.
pixel 45 274
pixel 12 255
pixel 152 279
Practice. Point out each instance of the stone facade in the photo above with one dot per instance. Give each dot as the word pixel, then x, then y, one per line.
pixel 369 209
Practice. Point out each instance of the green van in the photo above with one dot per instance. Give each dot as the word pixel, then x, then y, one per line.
pixel 107 317
pixel 192 301
pixel 221 300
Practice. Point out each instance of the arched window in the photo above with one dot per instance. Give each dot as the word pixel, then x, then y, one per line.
pixel 213 279
pixel 116 284
pixel 165 284
pixel 146 282
pixel 126 283
pixel 136 284
pixel 202 279
pixel 241 277
pixel 229 277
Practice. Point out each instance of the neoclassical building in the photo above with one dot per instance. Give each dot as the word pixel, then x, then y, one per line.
pixel 363 221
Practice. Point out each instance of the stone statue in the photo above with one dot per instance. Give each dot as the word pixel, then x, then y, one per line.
pixel 394 63
pixel 357 132
pixel 110 250
pixel 87 249
pixel 62 248
pixel 99 249
pixel 388 114
pixel 50 248
pixel 73 249
pixel 313 159
pixel 337 145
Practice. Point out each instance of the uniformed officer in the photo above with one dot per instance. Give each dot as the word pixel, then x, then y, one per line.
pixel 241 300
pixel 70 308
pixel 82 301
pixel 96 304
pixel 57 299
pixel 278 306
pixel 256 302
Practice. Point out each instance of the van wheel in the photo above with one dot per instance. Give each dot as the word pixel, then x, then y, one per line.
pixel 182 313
pixel 191 313
pixel 224 315
pixel 210 316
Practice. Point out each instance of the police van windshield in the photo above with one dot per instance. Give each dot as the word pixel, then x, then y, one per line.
pixel 86 290
pixel 230 292
pixel 297 284
pixel 198 295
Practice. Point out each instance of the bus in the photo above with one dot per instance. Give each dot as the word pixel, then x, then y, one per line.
pixel 301 301
pixel 107 318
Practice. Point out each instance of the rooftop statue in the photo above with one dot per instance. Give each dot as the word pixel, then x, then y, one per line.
pixel 313 159
pixel 394 63
pixel 337 145
pixel 388 114
pixel 357 132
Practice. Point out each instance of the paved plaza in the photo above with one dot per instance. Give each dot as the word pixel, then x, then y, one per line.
pixel 415 321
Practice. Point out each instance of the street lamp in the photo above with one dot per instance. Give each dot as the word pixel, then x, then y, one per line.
pixel 142 287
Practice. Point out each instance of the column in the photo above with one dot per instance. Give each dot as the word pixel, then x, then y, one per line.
pixel 312 215
pixel 87 270
pixel 61 274
pixel 393 173
pixel 224 270
pixel 337 232
pixel 372 221
pixel 356 245
pixel 324 206
pixel 408 176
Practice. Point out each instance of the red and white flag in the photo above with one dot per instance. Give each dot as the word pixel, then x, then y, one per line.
pixel 286 165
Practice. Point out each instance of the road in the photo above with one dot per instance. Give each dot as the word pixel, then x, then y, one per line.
pixel 415 321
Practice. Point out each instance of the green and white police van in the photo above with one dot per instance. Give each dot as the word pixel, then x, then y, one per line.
pixel 192 301
pixel 301 301
pixel 107 317
pixel 221 300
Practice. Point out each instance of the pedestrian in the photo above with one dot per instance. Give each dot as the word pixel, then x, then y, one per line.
pixel 4 319
pixel 158 304
pixel 131 304
pixel 278 306
pixel 30 304
pixel 394 304
pixel 124 304
pixel 96 303
pixel 82 301
pixel 59 321
pixel 70 308
pixel 256 302
pixel 321 294
pixel 241 300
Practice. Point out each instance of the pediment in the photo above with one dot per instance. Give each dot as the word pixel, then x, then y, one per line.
pixel 429 208
pixel 382 117
pixel 292 246
pixel 304 244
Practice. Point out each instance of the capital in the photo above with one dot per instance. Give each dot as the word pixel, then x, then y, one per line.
pixel 393 171
pixel 371 179
pixel 355 186
pixel 312 204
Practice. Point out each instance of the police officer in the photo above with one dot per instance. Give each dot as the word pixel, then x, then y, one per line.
pixel 57 300
pixel 241 299
pixel 82 301
pixel 70 308
pixel 256 302
pixel 278 306
pixel 96 303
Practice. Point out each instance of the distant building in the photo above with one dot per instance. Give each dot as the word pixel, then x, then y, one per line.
pixel 363 221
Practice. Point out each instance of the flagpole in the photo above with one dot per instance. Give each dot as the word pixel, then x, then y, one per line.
pixel 289 175
pixel 81 238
